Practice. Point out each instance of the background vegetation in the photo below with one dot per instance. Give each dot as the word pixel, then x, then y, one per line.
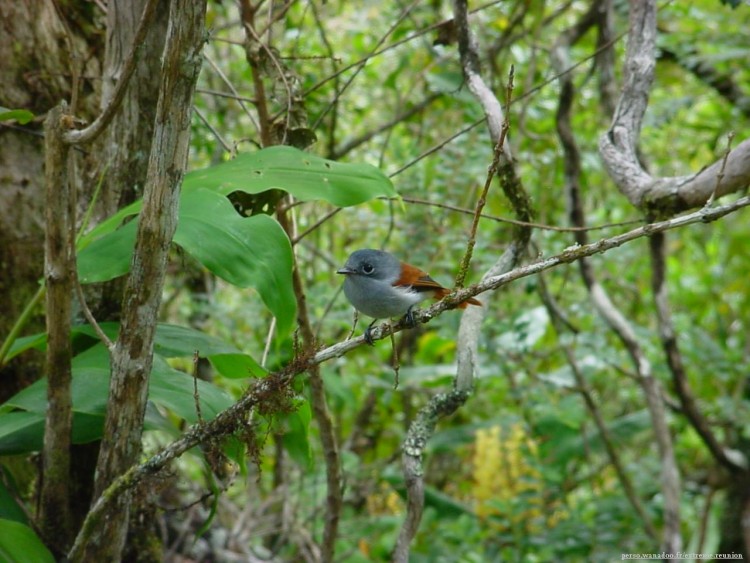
pixel 609 403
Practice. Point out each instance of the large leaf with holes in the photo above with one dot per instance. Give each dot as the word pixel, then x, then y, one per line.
pixel 307 177
pixel 245 251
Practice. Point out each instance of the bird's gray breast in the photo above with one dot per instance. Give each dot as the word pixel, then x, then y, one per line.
pixel 378 298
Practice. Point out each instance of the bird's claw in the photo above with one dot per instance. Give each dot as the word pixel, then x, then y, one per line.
pixel 368 335
pixel 409 318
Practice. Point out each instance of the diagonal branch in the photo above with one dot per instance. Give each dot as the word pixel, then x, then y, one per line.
pixel 352 144
pixel 583 388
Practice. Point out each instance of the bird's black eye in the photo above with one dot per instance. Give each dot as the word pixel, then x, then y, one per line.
pixel 368 268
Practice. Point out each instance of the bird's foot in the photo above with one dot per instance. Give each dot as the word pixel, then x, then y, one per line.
pixel 409 318
pixel 368 334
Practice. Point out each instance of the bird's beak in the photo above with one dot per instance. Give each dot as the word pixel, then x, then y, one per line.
pixel 345 271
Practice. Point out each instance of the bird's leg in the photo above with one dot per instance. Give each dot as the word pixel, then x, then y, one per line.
pixel 409 317
pixel 368 334
pixel 354 325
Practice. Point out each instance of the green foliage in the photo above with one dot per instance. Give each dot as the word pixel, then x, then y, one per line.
pixel 22 416
pixel 19 543
pixel 22 116
pixel 244 251
pixel 362 67
pixel 307 177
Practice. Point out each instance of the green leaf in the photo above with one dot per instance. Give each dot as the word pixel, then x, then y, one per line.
pixel 37 341
pixel 245 251
pixel 10 509
pixel 21 432
pixel 307 177
pixel 23 116
pixel 175 390
pixel 19 543
pixel 296 438
pixel 237 366
pixel 173 341
pixel 108 257
pixel 170 341
pixel 109 225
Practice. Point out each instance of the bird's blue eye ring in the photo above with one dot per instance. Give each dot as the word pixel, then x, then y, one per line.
pixel 368 268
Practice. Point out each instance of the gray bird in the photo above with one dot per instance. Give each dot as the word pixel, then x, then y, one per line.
pixel 381 286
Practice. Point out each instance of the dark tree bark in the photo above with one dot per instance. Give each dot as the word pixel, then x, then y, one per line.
pixel 58 54
pixel 35 75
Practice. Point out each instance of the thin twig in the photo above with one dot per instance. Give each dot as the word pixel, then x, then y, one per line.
pixel 583 388
pixel 229 96
pixel 316 225
pixel 437 147
pixel 734 463
pixel 213 130
pixel 408 39
pixel 361 65
pixel 269 341
pixel 497 153
pixel 400 118
pixel 88 314
pixel 510 221
pixel 240 99
pixel 720 173
pixel 281 71
pixel 395 364
pixel 196 394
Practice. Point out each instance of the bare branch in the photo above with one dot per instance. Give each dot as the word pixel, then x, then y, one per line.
pixel 59 261
pixel 618 146
pixel 401 117
pixel 359 66
pixel 240 100
pixel 583 388
pixel 510 221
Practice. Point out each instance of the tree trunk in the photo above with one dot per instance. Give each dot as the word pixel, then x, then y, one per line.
pixel 133 352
